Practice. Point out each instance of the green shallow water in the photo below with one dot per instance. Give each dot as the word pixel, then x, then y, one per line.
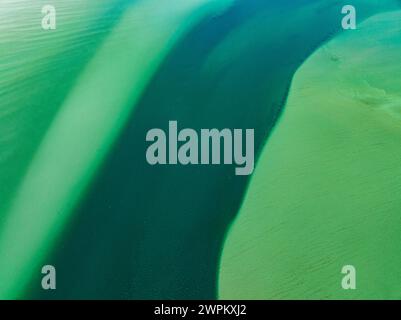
pixel 37 71
pixel 75 106
pixel 325 192
pixel 85 126
pixel 169 222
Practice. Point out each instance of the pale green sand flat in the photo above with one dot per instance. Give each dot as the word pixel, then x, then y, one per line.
pixel 326 190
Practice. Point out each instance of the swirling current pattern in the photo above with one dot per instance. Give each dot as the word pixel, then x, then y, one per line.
pixel 76 191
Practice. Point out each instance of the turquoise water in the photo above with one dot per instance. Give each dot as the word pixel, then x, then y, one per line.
pixel 76 104
pixel 324 193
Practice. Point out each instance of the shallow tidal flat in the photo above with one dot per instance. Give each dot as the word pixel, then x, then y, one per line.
pixel 325 192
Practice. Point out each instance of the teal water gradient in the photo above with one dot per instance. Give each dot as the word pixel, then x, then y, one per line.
pixel 78 191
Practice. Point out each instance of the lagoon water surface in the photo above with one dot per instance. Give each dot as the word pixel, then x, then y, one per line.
pixel 75 106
